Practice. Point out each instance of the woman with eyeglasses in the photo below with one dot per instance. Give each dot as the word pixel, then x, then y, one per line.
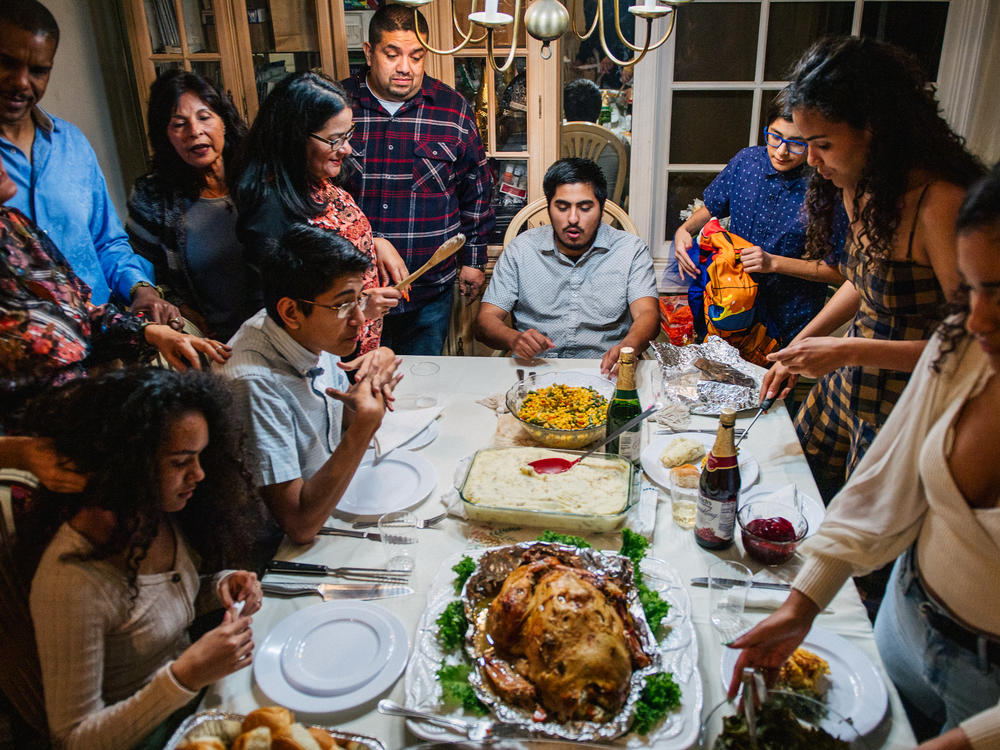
pixel 290 167
pixel 881 151
pixel 181 216
pixel 762 190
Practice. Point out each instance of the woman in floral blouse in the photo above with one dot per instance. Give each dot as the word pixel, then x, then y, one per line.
pixel 49 330
pixel 290 170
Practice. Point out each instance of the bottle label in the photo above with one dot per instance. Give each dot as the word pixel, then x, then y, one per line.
pixel 628 445
pixel 715 520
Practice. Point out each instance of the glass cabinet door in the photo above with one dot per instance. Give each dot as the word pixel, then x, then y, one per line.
pixel 192 35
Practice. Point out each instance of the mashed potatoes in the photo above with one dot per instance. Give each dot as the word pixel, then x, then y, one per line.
pixel 502 478
pixel 682 450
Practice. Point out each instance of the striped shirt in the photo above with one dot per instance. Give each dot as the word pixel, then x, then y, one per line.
pixel 421 177
pixel 281 387
pixel 582 306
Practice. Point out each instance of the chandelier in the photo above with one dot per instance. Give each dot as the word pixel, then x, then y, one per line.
pixel 546 21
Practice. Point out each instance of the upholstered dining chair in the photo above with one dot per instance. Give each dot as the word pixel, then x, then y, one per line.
pixel 590 141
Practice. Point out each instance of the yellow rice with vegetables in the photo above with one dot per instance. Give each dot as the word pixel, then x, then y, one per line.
pixel 564 407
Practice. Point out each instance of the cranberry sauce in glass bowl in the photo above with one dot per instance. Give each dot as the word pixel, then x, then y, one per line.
pixel 771 531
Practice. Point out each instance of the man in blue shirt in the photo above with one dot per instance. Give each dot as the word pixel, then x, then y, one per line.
pixel 60 184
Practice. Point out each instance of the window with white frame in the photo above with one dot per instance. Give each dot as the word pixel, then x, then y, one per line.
pixel 710 85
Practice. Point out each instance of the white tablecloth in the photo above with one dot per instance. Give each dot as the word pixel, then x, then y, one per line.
pixel 466 426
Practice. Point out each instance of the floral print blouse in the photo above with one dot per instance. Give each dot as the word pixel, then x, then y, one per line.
pixel 50 332
pixel 343 216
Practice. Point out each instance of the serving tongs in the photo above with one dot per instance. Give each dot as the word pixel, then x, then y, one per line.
pixel 445 251
pixel 754 695
pixel 477 731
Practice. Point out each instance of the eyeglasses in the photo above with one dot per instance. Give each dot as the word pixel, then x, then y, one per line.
pixel 794 147
pixel 336 142
pixel 343 311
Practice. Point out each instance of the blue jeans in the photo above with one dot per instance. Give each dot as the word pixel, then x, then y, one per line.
pixel 943 680
pixel 420 331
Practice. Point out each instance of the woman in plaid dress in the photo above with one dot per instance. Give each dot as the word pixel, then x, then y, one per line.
pixel 881 149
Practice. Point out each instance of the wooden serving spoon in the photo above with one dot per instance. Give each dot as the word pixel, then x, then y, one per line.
pixel 447 249
pixel 556 465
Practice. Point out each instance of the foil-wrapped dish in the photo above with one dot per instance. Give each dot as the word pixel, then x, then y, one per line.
pixel 559 641
pixel 708 377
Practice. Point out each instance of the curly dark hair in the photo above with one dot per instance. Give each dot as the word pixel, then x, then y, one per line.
pixel 111 427
pixel 272 159
pixel 878 87
pixel 980 211
pixel 164 94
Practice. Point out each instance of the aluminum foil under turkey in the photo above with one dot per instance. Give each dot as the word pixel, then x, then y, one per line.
pixel 485 583
pixel 684 383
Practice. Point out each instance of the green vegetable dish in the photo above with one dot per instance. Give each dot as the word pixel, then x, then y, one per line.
pixel 777 729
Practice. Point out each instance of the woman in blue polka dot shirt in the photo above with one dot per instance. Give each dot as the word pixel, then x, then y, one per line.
pixel 762 191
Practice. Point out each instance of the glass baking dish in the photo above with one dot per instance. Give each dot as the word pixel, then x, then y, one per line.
pixel 498 509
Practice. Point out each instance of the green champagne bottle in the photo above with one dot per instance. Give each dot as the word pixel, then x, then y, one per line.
pixel 623 407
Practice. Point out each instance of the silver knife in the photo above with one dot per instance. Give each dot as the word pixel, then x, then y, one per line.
pixel 776 585
pixel 337 590
pixel 332 531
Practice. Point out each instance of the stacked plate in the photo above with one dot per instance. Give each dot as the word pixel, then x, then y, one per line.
pixel 332 656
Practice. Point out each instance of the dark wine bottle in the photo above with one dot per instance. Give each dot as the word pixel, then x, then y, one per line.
pixel 719 489
pixel 623 407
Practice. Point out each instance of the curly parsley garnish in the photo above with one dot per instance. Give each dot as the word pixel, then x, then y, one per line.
pixel 567 539
pixel 452 626
pixel 455 688
pixel 659 696
pixel 463 569
pixel 634 547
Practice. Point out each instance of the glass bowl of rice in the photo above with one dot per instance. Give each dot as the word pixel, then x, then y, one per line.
pixel 562 409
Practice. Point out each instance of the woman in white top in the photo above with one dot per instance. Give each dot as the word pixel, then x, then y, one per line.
pixel 115 588
pixel 926 492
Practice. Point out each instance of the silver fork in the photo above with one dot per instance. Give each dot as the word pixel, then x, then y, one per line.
pixel 425 523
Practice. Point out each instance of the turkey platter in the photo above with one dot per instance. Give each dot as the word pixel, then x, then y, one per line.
pixel 559 640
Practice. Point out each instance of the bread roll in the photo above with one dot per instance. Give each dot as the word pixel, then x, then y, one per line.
pixel 274 718
pixel 323 738
pixel 294 737
pixel 681 451
pixel 256 739
pixel 686 475
pixel 203 743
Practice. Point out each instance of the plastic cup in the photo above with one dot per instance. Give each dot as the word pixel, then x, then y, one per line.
pixel 728 584
pixel 683 504
pixel 399 539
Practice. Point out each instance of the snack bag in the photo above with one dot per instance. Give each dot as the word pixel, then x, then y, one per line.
pixel 732 309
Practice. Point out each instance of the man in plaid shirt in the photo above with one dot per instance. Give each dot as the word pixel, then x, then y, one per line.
pixel 420 176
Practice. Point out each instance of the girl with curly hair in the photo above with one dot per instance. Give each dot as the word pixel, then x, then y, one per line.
pixel 926 492
pixel 881 149
pixel 115 579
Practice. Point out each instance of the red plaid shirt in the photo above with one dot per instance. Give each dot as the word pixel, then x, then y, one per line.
pixel 421 177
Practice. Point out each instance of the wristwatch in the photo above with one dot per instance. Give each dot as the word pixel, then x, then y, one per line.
pixel 136 285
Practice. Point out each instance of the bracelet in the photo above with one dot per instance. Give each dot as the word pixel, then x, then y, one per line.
pixel 136 285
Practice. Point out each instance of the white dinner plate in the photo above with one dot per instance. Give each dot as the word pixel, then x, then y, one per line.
pixel 425 437
pixel 400 480
pixel 856 690
pixel 812 509
pixel 650 458
pixel 364 643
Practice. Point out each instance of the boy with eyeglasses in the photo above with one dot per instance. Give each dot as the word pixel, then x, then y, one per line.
pixel 762 190
pixel 309 424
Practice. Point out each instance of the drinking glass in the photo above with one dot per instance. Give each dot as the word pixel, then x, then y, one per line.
pixel 423 378
pixel 728 584
pixel 399 539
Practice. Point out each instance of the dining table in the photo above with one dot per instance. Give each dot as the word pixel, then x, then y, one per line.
pixel 458 385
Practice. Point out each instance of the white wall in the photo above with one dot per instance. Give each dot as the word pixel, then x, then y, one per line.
pixel 76 90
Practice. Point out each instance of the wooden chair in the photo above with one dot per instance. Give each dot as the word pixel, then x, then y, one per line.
pixel 21 675
pixel 590 141
pixel 536 213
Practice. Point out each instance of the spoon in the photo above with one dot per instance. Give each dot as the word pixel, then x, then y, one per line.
pixel 556 465
pixel 446 250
